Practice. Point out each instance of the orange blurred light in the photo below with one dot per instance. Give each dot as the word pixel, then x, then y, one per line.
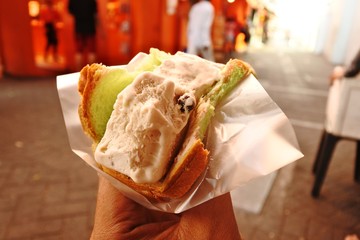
pixel 34 8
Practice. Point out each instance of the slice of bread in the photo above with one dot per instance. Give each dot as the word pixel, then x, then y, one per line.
pixel 99 87
pixel 192 158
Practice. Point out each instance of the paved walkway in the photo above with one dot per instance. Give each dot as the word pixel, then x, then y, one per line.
pixel 298 82
pixel 46 192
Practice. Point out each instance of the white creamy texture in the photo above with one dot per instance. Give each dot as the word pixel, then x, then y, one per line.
pixel 143 130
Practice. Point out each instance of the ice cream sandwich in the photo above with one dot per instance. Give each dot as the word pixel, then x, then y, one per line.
pixel 148 120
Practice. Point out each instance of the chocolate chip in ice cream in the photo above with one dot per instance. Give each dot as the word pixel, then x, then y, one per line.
pixel 186 102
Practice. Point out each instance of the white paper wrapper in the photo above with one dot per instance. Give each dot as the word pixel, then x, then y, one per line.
pixel 248 137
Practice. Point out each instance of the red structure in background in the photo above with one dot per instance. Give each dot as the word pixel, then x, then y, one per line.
pixel 124 28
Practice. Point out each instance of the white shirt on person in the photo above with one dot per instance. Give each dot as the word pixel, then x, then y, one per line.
pixel 201 17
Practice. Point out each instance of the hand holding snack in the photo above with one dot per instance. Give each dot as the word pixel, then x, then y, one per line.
pixel 118 217
pixel 234 132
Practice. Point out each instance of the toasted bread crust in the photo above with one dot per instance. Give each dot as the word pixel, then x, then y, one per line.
pixel 177 181
pixel 86 85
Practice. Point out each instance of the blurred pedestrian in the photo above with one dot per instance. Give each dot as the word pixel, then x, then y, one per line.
pixel 50 16
pixel 231 31
pixel 244 29
pixel 85 14
pixel 264 19
pixel 348 72
pixel 201 17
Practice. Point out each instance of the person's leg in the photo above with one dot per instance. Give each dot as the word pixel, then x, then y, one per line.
pixel 91 45
pixel 52 40
pixel 55 45
pixel 207 53
pixel 191 49
pixel 47 49
pixel 49 39
pixel 56 53
pixel 79 44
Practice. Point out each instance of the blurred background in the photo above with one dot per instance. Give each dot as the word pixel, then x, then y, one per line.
pixel 124 28
pixel 47 192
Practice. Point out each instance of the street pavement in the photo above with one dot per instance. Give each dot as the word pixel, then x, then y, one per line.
pixel 47 192
pixel 298 83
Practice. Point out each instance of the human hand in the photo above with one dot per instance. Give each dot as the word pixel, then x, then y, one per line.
pixel 337 73
pixel 118 217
